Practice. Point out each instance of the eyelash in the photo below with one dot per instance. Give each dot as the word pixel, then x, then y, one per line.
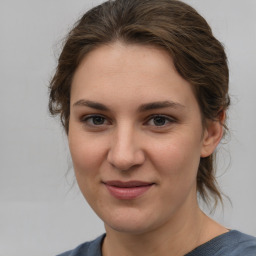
pixel 88 120
pixel 167 119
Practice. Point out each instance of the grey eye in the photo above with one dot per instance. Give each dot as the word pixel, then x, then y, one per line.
pixel 94 120
pixel 97 120
pixel 159 120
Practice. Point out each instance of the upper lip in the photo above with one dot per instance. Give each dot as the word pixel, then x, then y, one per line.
pixel 127 184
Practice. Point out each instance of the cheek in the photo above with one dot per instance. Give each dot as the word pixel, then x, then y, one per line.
pixel 177 166
pixel 85 152
pixel 87 157
pixel 177 159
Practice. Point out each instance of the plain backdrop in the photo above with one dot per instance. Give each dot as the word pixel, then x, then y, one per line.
pixel 41 214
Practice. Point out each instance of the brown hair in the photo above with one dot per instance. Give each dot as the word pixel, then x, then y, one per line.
pixel 171 24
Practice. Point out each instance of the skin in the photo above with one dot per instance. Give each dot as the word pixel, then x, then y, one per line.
pixel 116 133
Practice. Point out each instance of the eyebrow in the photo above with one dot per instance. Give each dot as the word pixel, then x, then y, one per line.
pixel 142 108
pixel 91 104
pixel 160 104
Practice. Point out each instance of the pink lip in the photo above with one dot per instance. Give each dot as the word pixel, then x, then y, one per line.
pixel 127 190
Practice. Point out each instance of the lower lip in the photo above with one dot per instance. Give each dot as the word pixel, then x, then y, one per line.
pixel 127 193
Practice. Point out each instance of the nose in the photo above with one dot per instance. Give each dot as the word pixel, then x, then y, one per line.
pixel 125 151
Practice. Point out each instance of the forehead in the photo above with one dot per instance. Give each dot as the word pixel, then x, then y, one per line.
pixel 130 72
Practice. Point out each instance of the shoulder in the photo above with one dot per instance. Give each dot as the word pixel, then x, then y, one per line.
pixel 233 243
pixel 246 244
pixel 91 248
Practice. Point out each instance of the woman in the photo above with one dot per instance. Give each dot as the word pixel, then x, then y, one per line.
pixel 142 90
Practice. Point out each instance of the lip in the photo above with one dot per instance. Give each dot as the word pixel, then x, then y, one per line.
pixel 127 190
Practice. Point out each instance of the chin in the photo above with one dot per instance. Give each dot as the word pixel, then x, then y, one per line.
pixel 128 228
pixel 131 222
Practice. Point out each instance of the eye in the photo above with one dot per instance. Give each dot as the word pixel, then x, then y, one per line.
pixel 94 120
pixel 160 120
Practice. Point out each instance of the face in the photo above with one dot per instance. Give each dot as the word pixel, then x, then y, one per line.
pixel 135 137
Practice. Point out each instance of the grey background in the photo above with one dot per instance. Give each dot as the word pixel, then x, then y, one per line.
pixel 40 214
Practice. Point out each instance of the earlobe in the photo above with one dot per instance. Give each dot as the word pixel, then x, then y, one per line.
pixel 212 135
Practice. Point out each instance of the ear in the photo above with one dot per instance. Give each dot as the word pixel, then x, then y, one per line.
pixel 212 135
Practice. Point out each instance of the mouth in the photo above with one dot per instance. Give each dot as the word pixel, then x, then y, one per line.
pixel 127 190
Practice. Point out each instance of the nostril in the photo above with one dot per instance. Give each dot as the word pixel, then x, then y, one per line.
pixel 124 162
pixel 125 152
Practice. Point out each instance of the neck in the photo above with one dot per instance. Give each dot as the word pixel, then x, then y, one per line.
pixel 181 234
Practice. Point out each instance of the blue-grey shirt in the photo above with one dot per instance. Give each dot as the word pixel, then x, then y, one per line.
pixel 233 243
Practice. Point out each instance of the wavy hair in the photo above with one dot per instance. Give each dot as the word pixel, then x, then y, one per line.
pixel 170 24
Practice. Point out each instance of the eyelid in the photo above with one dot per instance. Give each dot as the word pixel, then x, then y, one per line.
pixel 168 118
pixel 84 119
